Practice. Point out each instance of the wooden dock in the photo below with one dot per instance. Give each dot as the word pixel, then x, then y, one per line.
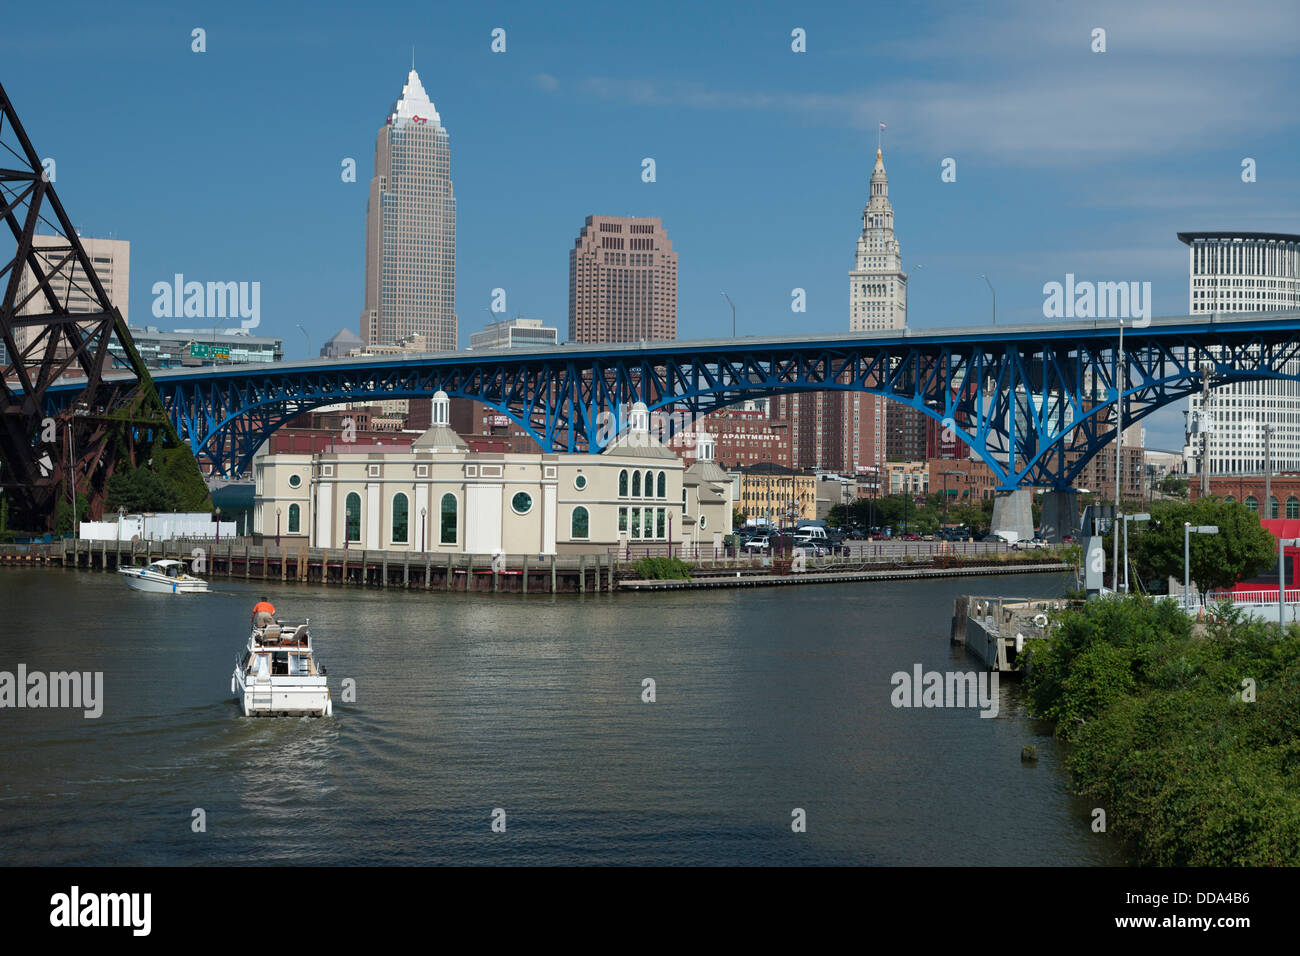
pixel 243 559
pixel 740 580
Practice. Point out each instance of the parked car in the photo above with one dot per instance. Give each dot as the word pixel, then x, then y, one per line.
pixel 1029 544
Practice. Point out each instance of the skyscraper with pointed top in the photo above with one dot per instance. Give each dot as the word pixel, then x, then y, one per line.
pixel 848 431
pixel 410 284
pixel 877 283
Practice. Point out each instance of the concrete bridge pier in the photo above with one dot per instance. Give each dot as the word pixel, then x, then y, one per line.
pixel 1013 512
pixel 1060 514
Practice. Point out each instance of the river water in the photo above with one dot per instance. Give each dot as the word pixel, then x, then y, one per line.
pixel 766 701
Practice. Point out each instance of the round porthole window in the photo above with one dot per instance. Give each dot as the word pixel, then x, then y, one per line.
pixel 580 482
pixel 522 502
pixel 703 521
pixel 295 481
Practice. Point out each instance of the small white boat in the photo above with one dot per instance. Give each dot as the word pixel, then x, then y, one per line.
pixel 166 576
pixel 278 675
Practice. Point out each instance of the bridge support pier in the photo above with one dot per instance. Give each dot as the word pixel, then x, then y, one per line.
pixel 1013 512
pixel 1060 514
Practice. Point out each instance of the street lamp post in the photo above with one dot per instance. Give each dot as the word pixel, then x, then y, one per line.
pixel 1120 370
pixel 995 295
pixel 1127 518
pixel 1282 545
pixel 218 524
pixel 423 524
pixel 733 313
pixel 1268 471
pixel 277 527
pixel 1188 530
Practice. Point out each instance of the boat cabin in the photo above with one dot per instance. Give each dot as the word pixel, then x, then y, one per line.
pixel 280 651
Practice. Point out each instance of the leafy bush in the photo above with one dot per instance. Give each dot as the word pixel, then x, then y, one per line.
pixel 661 569
pixel 1190 773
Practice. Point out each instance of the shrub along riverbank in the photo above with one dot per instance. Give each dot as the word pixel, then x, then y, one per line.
pixel 1187 736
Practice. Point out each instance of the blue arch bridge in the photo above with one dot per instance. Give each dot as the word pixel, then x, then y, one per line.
pixel 1035 402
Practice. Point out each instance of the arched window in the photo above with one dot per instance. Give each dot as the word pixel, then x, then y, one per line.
pixel 447 527
pixel 1272 507
pixel 1229 499
pixel 352 516
pixel 295 519
pixel 401 509
pixel 1293 507
pixel 649 484
pixel 578 523
pixel 622 483
pixel 1251 504
pixel 636 484
pixel 663 485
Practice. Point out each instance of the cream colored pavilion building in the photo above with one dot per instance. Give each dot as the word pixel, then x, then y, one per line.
pixel 439 497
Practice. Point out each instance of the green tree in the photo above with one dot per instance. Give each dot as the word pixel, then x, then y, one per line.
pixel 64 520
pixel 1173 485
pixel 140 490
pixel 1242 548
pixel 1196 776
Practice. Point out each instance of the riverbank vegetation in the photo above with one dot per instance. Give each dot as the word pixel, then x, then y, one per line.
pixel 661 569
pixel 1187 735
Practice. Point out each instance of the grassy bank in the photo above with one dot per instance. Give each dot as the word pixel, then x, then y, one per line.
pixel 1187 736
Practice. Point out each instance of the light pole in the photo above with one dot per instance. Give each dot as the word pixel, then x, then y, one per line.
pixel 733 313
pixel 1188 530
pixel 995 295
pixel 423 525
pixel 1282 545
pixel 304 332
pixel 277 527
pixel 1127 518
pixel 1268 471
pixel 1120 369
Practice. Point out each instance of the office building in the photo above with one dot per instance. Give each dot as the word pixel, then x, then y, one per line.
pixel 1244 272
pixel 410 279
pixel 622 282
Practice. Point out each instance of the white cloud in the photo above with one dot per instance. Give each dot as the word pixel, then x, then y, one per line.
pixel 1025 90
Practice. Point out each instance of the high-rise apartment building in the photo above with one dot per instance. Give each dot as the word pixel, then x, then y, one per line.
pixel 411 228
pixel 622 281
pixel 111 260
pixel 1245 272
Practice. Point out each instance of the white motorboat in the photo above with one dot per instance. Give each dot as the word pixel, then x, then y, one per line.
pixel 278 675
pixel 166 576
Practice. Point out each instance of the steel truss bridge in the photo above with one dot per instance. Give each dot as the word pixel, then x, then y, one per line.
pixel 1035 402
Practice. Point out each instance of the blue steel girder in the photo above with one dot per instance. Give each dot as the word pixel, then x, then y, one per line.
pixel 1035 404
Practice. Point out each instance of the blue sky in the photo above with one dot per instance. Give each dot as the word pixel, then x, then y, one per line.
pixel 225 165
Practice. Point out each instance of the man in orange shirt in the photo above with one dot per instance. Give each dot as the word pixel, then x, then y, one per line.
pixel 263 613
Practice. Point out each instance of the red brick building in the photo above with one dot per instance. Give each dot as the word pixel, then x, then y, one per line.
pixel 744 436
pixel 1249 489
pixel 963 480
pixel 471 419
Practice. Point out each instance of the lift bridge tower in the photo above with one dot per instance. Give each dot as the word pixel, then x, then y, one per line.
pixel 57 464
